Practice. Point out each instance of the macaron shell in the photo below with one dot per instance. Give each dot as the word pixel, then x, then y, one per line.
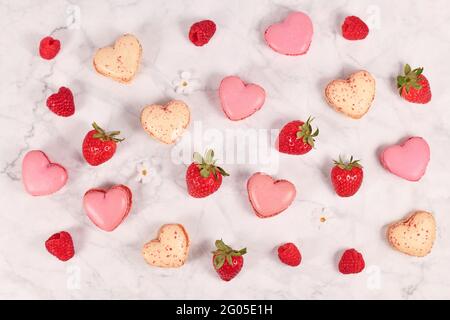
pixel 121 61
pixel 166 123
pixel 108 208
pixel 240 100
pixel 408 160
pixel 293 36
pixel 40 176
pixel 269 197
pixel 170 249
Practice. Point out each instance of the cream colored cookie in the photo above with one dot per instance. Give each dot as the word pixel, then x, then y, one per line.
pixel 121 61
pixel 166 123
pixel 352 97
pixel 170 249
pixel 414 235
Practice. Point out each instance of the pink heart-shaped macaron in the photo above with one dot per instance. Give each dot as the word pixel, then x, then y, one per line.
pixel 40 176
pixel 108 208
pixel 408 160
pixel 268 196
pixel 240 100
pixel 292 36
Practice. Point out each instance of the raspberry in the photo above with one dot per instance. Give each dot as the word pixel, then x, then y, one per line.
pixel 351 262
pixel 61 103
pixel 60 245
pixel 354 28
pixel 49 48
pixel 201 32
pixel 289 254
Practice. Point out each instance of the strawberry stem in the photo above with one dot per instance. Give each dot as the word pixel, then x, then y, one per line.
pixel 347 165
pixel 106 136
pixel 305 132
pixel 225 253
pixel 207 164
pixel 409 79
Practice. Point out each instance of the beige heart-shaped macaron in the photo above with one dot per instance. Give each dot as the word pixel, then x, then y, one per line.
pixel 414 235
pixel 121 61
pixel 166 123
pixel 353 96
pixel 170 249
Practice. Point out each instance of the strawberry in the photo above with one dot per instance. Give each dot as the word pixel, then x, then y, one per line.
pixel 354 28
pixel 227 262
pixel 49 48
pixel 60 245
pixel 61 103
pixel 203 177
pixel 346 177
pixel 413 85
pixel 289 254
pixel 297 137
pixel 201 32
pixel 351 262
pixel 99 146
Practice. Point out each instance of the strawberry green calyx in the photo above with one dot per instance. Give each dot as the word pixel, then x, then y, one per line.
pixel 207 164
pixel 347 165
pixel 305 132
pixel 225 253
pixel 105 136
pixel 410 79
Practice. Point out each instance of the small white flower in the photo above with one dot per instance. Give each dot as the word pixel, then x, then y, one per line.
pixel 185 84
pixel 148 171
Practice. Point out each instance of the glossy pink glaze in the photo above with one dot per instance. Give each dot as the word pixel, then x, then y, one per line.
pixel 40 176
pixel 269 197
pixel 408 160
pixel 292 36
pixel 108 208
pixel 240 100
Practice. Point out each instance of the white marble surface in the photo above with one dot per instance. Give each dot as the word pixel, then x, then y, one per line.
pixel 109 265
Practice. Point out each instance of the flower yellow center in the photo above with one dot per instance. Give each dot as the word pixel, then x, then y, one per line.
pixel 184 83
pixel 144 172
pixel 323 219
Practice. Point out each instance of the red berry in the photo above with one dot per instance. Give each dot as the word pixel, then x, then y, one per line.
pixel 61 103
pixel 297 137
pixel 203 177
pixel 289 254
pixel 60 245
pixel 351 262
pixel 201 32
pixel 99 146
pixel 354 28
pixel 346 177
pixel 49 48
pixel 226 261
pixel 414 86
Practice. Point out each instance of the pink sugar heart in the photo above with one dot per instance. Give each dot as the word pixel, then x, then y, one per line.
pixel 268 196
pixel 108 208
pixel 292 36
pixel 408 160
pixel 40 176
pixel 240 100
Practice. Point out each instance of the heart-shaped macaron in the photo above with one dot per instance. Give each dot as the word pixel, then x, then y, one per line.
pixel 240 100
pixel 408 160
pixel 40 176
pixel 414 235
pixel 166 123
pixel 292 36
pixel 170 249
pixel 108 208
pixel 353 96
pixel 121 61
pixel 268 196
